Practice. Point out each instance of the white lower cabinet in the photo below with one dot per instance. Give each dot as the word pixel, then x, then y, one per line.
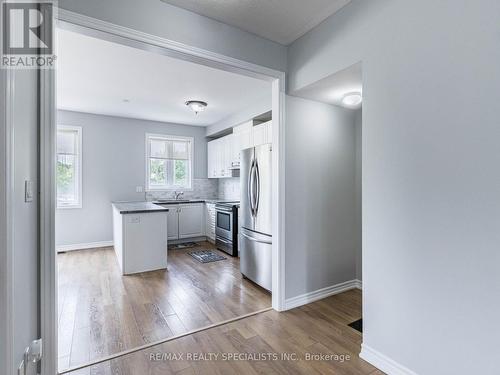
pixel 191 220
pixel 210 222
pixel 185 221
pixel 173 223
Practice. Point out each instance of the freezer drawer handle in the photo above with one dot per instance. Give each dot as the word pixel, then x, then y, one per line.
pixel 256 240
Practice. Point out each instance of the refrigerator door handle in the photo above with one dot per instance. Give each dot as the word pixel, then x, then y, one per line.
pixel 255 239
pixel 257 183
pixel 250 188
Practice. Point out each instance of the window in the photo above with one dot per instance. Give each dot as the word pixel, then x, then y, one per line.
pixel 69 167
pixel 169 162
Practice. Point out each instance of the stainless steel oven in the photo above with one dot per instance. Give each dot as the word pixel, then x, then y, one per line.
pixel 226 227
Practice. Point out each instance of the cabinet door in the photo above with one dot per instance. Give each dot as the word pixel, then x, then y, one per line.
pixel 259 134
pixel 234 150
pixel 246 139
pixel 228 154
pixel 173 223
pixel 191 220
pixel 269 126
pixel 219 152
pixel 211 159
pixel 210 221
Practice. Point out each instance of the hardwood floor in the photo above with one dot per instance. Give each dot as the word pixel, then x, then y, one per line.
pixel 102 312
pixel 320 328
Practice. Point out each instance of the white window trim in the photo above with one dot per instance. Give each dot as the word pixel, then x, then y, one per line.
pixel 79 131
pixel 191 157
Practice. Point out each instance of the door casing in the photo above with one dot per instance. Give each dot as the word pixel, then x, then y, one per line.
pixel 119 34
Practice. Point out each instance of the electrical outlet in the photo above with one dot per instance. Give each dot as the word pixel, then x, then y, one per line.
pixel 138 189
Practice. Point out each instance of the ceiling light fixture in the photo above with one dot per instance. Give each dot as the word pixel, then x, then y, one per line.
pixel 352 99
pixel 196 105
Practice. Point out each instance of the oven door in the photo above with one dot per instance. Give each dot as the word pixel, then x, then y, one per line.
pixel 224 224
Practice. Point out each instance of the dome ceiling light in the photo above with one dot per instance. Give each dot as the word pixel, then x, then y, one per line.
pixel 196 105
pixel 352 99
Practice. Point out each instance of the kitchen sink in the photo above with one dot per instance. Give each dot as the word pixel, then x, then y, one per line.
pixel 172 201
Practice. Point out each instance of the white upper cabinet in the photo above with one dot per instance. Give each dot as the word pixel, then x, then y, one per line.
pixel 259 134
pixel 263 133
pixel 224 153
pixel 211 159
pixel 244 135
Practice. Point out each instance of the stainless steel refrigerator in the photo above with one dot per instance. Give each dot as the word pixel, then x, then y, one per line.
pixel 255 215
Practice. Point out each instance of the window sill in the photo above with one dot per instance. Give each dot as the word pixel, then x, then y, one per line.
pixel 69 207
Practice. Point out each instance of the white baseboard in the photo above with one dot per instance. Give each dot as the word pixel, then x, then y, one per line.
pixel 82 246
pixel 306 298
pixel 359 284
pixel 383 362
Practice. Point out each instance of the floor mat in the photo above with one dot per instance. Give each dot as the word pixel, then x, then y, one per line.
pixel 180 246
pixel 357 325
pixel 206 256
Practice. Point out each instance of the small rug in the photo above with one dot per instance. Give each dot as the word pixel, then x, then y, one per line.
pixel 180 246
pixel 357 325
pixel 206 256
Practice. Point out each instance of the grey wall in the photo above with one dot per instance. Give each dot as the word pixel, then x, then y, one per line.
pixel 25 259
pixel 358 121
pixel 179 25
pixel 431 182
pixel 320 196
pixel 113 165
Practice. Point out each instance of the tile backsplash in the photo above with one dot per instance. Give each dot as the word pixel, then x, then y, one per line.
pixel 202 188
pixel 222 188
pixel 229 188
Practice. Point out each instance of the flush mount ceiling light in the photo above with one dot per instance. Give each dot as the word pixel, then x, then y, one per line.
pixel 196 105
pixel 352 99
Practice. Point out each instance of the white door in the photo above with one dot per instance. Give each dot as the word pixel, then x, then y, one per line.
pixel 173 223
pixel 191 220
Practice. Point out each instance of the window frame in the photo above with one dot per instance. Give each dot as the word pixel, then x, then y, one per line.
pixel 147 150
pixel 79 168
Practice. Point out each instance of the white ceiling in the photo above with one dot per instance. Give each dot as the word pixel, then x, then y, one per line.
pixel 96 76
pixel 332 88
pixel 282 21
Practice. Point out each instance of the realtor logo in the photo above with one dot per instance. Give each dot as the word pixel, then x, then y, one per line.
pixel 27 34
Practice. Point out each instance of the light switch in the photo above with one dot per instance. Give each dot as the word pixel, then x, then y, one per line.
pixel 28 191
pixel 138 189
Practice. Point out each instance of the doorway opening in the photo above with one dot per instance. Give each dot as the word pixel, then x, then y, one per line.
pixel 335 102
pixel 103 310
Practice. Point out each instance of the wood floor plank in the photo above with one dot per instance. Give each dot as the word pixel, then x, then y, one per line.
pixel 316 329
pixel 119 312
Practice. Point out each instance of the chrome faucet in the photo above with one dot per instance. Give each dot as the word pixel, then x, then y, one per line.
pixel 178 194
